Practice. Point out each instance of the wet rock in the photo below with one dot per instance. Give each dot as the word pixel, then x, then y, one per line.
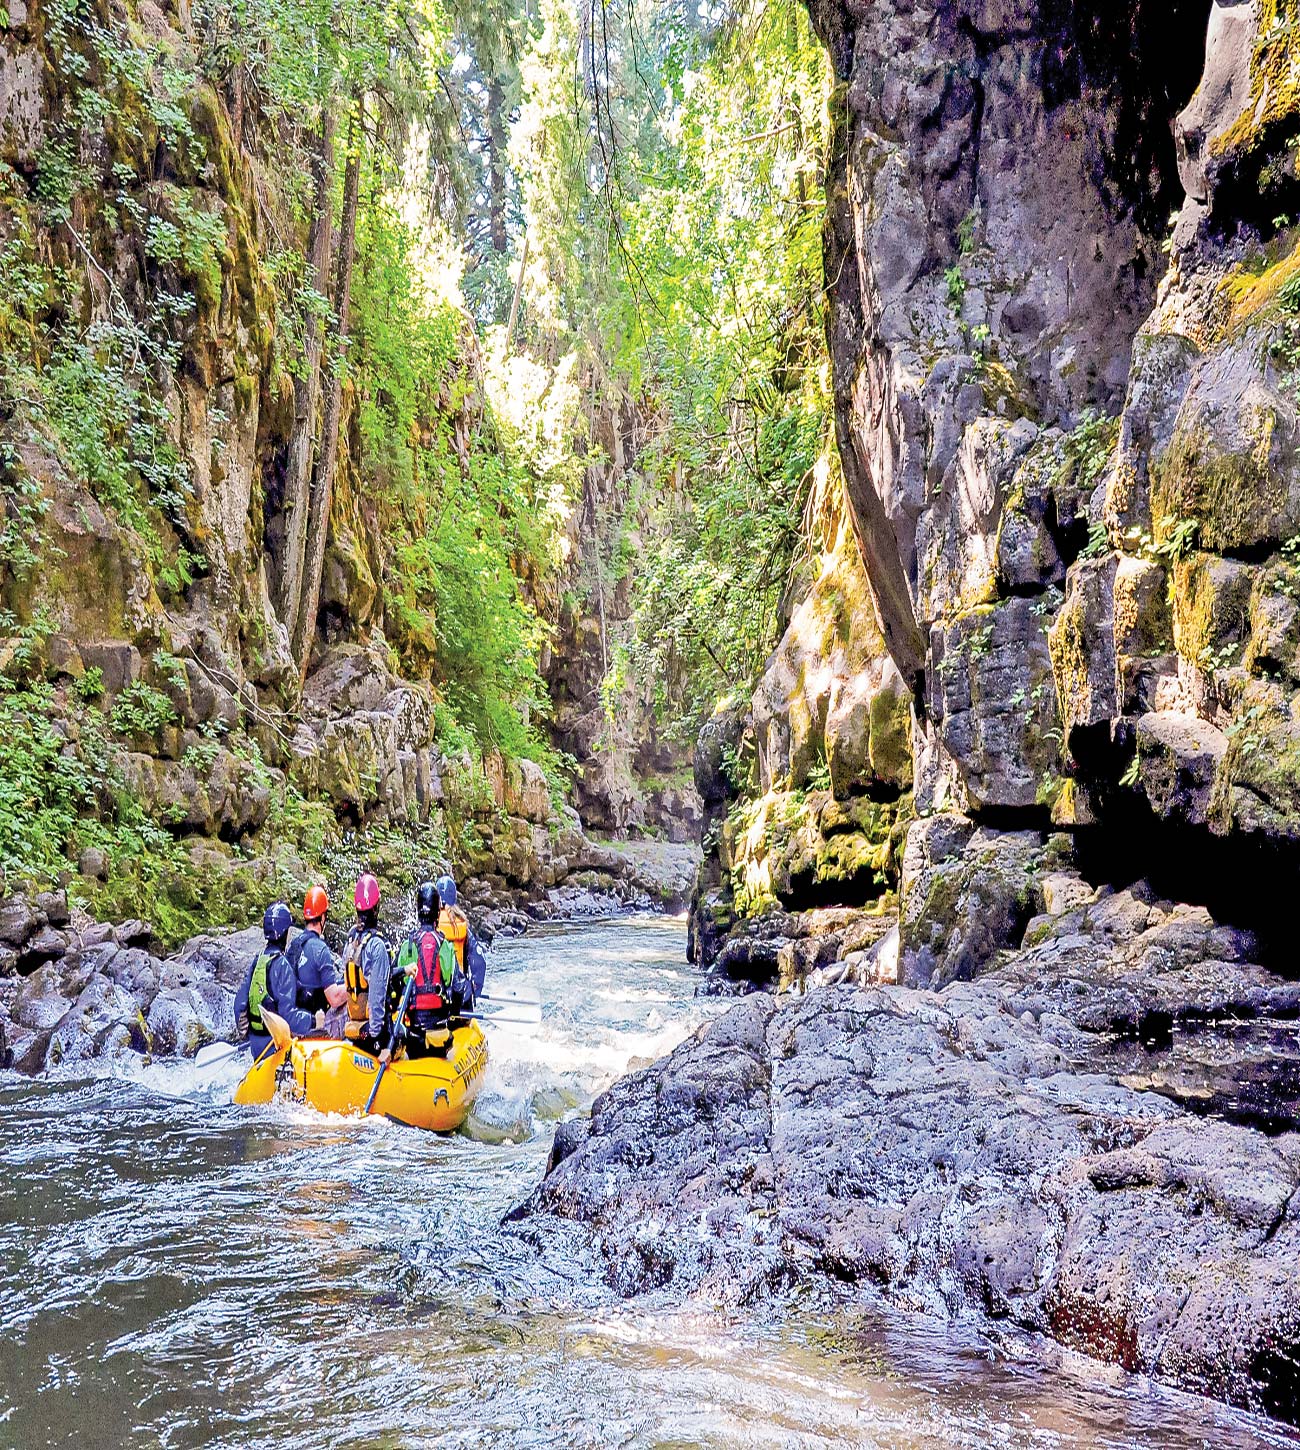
pixel 830 693
pixel 1082 641
pixel 26 1049
pixel 23 114
pixel 118 661
pixel 180 1022
pixel 94 934
pixel 45 945
pixel 988 1146
pixel 104 1022
pixel 1178 761
pixel 20 920
pixel 993 702
pixel 44 997
pixel 223 959
pixel 663 870
pixel 719 741
pixel 133 933
pixel 55 906
pixel 671 1159
pixel 135 971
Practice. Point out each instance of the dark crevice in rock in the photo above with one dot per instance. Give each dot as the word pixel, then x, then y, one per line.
pixel 1255 195
pixel 1013 818
pixel 1245 883
pixel 1147 60
pixel 807 893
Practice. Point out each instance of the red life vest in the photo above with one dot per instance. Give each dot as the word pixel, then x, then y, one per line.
pixel 434 970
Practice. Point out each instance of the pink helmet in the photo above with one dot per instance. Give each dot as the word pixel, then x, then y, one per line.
pixel 366 895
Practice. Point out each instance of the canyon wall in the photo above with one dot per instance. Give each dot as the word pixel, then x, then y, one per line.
pixel 1037 1062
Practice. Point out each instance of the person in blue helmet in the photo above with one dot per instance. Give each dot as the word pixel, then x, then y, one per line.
pixel 454 926
pixel 272 984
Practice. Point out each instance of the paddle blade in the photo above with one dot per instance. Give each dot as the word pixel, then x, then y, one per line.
pixel 527 996
pixel 214 1053
pixel 278 1028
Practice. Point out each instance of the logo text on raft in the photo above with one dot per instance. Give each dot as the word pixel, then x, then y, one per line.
pixel 366 1064
pixel 474 1061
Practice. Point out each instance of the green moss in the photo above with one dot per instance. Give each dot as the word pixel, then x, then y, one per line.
pixel 1274 101
pixel 1257 787
pixel 1211 605
pixel 890 748
pixel 1234 497
pixel 1069 649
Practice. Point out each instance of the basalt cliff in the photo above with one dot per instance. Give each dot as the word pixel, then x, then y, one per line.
pixel 1012 819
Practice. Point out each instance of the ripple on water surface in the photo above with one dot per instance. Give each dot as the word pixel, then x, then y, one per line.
pixel 181 1272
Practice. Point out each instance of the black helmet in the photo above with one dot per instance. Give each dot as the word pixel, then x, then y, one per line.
pixel 277 921
pixel 427 903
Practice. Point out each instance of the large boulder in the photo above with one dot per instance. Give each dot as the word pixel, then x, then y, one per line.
pixel 1018 1147
pixel 1178 760
pixel 105 1022
pixel 180 1022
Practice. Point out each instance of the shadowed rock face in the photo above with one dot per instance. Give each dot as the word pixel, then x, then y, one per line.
pixel 1027 370
pixel 997 183
pixel 1066 1143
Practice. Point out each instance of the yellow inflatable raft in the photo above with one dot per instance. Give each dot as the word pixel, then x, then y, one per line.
pixel 337 1077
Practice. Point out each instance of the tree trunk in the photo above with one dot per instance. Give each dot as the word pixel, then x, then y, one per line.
pixel 306 389
pixel 497 144
pixel 322 491
pixel 514 301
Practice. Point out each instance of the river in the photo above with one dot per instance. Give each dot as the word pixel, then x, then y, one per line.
pixel 181 1272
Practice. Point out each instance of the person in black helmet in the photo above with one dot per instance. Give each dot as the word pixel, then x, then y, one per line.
pixel 438 988
pixel 271 983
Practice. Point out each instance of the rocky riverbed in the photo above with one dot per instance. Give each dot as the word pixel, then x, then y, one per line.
pixel 1096 1139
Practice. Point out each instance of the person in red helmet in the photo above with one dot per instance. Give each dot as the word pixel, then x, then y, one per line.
pixel 321 990
pixel 368 974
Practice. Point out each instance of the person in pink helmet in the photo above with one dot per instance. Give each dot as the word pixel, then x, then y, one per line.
pixel 368 974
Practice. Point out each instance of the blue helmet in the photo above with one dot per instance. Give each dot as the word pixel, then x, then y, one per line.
pixel 277 921
pixel 446 889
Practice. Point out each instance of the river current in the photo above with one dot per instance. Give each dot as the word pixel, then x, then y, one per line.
pixel 181 1272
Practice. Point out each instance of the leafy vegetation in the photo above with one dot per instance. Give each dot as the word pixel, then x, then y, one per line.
pixel 314 193
pixel 674 212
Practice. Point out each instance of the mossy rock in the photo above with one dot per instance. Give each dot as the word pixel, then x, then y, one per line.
pixel 1233 467
pixel 1211 606
pixel 1257 791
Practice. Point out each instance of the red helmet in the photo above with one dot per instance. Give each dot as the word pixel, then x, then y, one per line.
pixel 366 895
pixel 315 904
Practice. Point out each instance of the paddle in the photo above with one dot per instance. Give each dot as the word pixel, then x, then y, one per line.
pixel 524 996
pixel 529 1013
pixel 281 1036
pixel 398 1030
pixel 214 1053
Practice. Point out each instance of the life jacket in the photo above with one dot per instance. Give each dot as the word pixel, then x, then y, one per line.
pixel 354 976
pixel 431 960
pixel 454 926
pixel 312 999
pixel 259 989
